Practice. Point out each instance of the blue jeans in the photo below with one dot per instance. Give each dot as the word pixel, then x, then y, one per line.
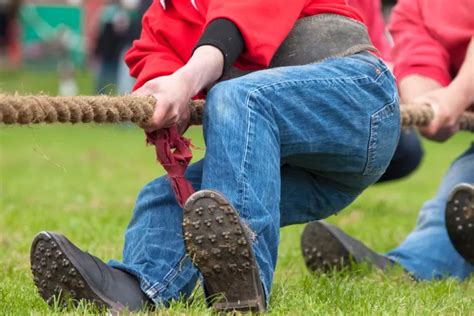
pixel 281 143
pixel 427 252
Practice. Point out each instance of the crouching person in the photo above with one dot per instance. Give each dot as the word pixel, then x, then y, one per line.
pixel 314 114
pixel 434 62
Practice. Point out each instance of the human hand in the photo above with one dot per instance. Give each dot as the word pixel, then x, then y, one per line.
pixel 172 94
pixel 448 106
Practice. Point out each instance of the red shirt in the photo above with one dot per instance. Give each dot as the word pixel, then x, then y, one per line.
pixel 169 35
pixel 372 14
pixel 431 37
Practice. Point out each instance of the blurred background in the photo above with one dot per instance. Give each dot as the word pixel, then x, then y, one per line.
pixel 81 180
pixel 70 47
pixel 67 47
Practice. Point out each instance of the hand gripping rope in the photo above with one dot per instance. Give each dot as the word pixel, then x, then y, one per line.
pixel 172 149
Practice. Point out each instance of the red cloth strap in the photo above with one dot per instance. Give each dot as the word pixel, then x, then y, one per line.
pixel 172 151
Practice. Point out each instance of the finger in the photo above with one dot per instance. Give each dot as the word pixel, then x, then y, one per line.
pixel 439 132
pixel 164 114
pixel 142 92
pixel 148 126
pixel 427 132
pixel 183 122
pixel 433 127
pixel 159 119
pixel 138 92
pixel 182 127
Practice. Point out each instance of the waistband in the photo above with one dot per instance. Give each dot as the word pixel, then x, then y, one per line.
pixel 316 38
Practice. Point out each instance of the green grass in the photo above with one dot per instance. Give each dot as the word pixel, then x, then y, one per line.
pixel 82 181
pixel 27 82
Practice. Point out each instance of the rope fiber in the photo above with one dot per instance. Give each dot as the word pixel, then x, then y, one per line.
pixel 35 109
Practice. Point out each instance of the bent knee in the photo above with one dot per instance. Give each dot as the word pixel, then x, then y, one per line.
pixel 225 102
pixel 159 186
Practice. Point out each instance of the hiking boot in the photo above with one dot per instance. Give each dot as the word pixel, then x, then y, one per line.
pixel 220 246
pixel 326 248
pixel 460 220
pixel 63 271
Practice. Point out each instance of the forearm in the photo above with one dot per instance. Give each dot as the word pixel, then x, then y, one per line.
pixel 204 68
pixel 414 86
pixel 461 88
pixel 463 84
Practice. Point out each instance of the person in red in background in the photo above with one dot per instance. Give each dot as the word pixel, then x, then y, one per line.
pixel 433 60
pixel 290 144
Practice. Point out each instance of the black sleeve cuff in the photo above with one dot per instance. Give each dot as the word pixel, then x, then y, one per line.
pixel 224 35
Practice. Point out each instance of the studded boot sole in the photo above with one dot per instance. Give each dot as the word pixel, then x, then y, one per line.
pixel 57 274
pixel 321 250
pixel 460 220
pixel 219 247
pixel 326 248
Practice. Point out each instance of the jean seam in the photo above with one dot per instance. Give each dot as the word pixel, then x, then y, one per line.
pixel 251 134
pixel 156 289
pixel 382 68
pixel 361 80
pixel 372 145
pixel 381 76
pixel 375 121
pixel 242 175
pixel 244 165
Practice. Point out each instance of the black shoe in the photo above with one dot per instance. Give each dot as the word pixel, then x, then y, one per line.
pixel 326 248
pixel 217 243
pixel 460 220
pixel 62 270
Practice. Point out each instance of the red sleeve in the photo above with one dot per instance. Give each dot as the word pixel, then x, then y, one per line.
pixel 415 51
pixel 150 56
pixel 264 24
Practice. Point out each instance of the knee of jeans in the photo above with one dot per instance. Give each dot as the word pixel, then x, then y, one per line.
pixel 159 187
pixel 223 102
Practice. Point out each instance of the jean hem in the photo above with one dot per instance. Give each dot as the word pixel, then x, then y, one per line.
pixel 158 292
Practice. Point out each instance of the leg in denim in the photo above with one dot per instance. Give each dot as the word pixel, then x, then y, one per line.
pixel 427 252
pixel 336 122
pixel 154 248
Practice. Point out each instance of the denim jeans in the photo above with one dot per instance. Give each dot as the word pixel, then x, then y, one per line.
pixel 281 143
pixel 427 252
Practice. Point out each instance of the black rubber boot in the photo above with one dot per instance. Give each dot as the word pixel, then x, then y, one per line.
pixel 460 220
pixel 62 270
pixel 326 248
pixel 221 249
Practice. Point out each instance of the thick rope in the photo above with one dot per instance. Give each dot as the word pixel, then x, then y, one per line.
pixel 25 110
